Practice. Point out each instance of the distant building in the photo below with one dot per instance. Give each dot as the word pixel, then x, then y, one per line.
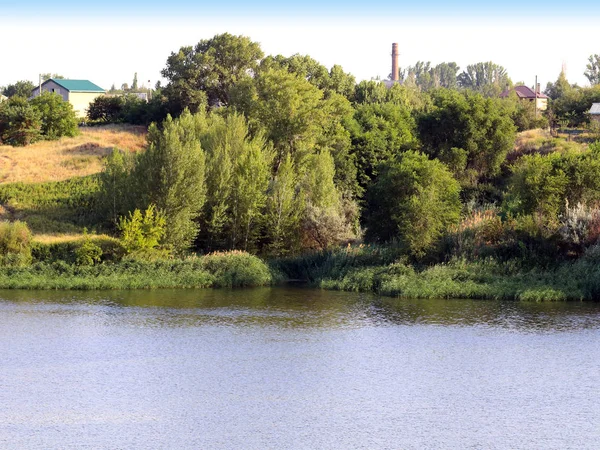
pixel 527 94
pixel 79 93
pixel 395 75
pixel 595 112
pixel 3 97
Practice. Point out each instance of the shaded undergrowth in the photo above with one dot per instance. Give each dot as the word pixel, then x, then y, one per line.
pixel 232 269
pixel 376 270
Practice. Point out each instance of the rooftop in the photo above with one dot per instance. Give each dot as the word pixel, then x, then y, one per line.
pixel 77 85
pixel 524 92
pixel 595 109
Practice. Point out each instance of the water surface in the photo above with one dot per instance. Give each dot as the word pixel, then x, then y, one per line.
pixel 295 369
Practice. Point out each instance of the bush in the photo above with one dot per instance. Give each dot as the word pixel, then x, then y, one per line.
pixel 142 232
pixel 57 116
pixel 236 269
pixel 20 123
pixel 111 250
pixel 87 253
pixel 414 200
pixel 106 109
pixel 15 244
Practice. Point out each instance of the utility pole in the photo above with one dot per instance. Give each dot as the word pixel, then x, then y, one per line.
pixel 535 88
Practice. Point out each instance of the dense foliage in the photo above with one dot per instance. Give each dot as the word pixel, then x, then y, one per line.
pixel 47 116
pixel 281 155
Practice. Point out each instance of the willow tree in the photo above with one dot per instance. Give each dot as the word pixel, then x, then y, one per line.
pixel 170 175
pixel 238 169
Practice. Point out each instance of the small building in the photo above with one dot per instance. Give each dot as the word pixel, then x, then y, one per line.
pixel 3 97
pixel 595 112
pixel 79 93
pixel 525 93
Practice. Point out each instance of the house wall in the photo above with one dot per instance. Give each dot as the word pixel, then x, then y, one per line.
pixel 51 86
pixel 81 101
pixel 595 117
pixel 542 104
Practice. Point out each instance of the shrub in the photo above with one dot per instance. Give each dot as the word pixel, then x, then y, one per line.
pixel 236 269
pixel 15 244
pixel 111 250
pixel 87 253
pixel 414 200
pixel 106 109
pixel 57 116
pixel 142 231
pixel 20 123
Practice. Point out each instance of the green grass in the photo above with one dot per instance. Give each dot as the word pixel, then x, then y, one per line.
pixel 53 207
pixel 370 270
pixel 217 270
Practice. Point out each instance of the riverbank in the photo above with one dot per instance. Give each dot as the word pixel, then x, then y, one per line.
pixel 379 271
pixel 232 269
pixel 374 270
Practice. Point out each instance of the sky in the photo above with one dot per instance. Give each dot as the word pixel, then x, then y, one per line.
pixel 107 42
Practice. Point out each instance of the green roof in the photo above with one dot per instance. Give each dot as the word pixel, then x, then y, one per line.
pixel 78 85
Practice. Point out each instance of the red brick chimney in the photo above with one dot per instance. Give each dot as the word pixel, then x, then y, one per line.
pixel 395 62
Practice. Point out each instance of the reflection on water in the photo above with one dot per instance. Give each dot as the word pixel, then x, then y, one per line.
pixel 294 368
pixel 299 307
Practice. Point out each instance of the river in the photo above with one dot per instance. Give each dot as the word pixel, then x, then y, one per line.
pixel 294 368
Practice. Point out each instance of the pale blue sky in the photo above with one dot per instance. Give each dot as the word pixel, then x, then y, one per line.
pixel 107 42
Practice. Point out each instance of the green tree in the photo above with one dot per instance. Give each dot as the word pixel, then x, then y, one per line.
pixel 380 131
pixel 288 108
pixel 209 70
pixel 57 116
pixel 238 170
pixel 117 186
pixel 106 109
pixel 480 127
pixel 329 81
pixel 573 106
pixel 284 210
pixel 142 231
pixel 487 78
pixel 170 175
pixel 134 85
pixel 592 72
pixel 413 201
pixel 20 123
pixel 559 88
pixel 324 222
pixel 545 184
pixel 445 75
pixel 20 89
pixel 48 76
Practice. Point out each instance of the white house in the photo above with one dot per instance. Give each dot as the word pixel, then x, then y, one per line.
pixel 79 93
pixel 595 112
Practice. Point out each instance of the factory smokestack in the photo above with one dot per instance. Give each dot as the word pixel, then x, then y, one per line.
pixel 395 62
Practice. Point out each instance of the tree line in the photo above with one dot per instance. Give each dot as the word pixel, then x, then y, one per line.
pixel 278 155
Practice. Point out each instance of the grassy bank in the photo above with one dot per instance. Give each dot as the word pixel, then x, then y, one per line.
pixel 378 270
pixel 61 207
pixel 232 269
pixel 68 157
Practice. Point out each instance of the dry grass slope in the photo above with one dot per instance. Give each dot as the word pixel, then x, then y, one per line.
pixel 68 157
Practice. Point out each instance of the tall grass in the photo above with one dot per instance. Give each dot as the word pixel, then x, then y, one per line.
pixel 54 207
pixel 234 269
pixel 374 270
pixel 67 157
